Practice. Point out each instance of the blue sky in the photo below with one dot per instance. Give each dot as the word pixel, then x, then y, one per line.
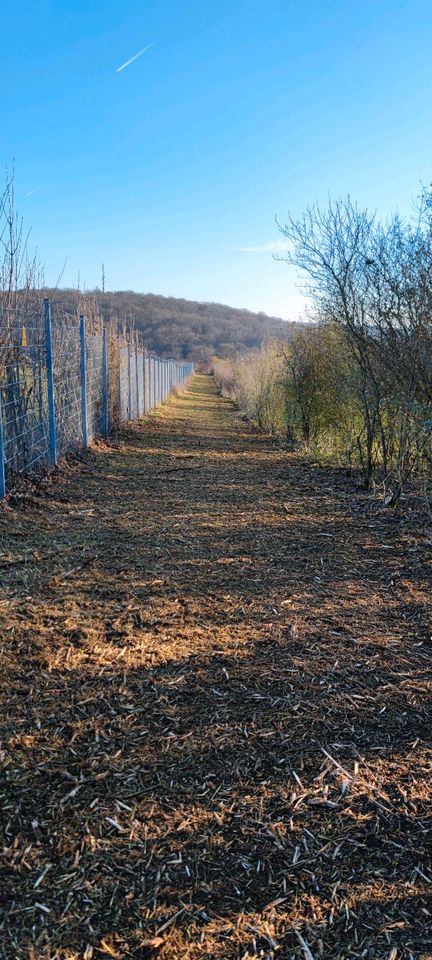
pixel 171 171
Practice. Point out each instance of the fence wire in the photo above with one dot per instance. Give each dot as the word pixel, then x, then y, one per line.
pixel 124 383
pixel 57 385
pixel 67 383
pixel 95 395
pixel 23 398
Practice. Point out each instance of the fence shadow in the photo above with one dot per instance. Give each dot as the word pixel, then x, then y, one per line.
pixel 216 707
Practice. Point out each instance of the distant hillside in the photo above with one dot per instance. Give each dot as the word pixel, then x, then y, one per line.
pixel 184 328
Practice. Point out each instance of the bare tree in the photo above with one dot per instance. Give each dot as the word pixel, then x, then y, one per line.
pixel 374 281
pixel 22 390
pixel 332 248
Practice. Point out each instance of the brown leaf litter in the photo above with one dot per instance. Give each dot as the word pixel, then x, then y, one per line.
pixel 215 683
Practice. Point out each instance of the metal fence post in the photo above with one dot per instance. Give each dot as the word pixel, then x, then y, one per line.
pixel 144 403
pixel 145 383
pixel 140 385
pixel 150 370
pixel 52 438
pixel 83 383
pixel 136 379
pixel 153 367
pixel 105 391
pixel 2 463
pixel 139 382
pixel 129 382
pixel 150 383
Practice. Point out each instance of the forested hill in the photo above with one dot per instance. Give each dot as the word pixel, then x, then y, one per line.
pixel 184 328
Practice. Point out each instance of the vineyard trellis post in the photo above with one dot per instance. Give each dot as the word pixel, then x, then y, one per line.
pixel 52 430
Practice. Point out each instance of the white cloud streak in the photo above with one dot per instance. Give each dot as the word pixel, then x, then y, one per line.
pixel 31 192
pixel 275 246
pixel 135 57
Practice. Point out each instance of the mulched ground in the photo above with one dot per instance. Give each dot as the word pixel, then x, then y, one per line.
pixel 216 719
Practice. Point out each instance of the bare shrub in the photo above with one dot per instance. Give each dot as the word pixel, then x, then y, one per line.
pixel 259 383
pixel 223 372
pixel 373 281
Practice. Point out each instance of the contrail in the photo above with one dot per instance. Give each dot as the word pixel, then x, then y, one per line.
pixel 139 54
pixel 30 193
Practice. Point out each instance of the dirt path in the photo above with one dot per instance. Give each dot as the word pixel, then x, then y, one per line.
pixel 215 677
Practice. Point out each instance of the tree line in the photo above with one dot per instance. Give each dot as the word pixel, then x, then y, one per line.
pixel 174 327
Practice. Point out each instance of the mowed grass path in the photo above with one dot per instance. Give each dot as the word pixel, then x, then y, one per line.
pixel 215 720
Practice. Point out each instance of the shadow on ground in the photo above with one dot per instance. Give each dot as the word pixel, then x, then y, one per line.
pixel 216 705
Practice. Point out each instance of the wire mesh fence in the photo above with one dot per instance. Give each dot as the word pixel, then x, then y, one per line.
pixel 62 385
pixel 96 399
pixel 66 371
pixel 24 408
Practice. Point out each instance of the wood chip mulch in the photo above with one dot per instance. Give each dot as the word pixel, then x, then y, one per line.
pixel 215 680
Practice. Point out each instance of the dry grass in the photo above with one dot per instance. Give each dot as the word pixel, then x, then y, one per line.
pixel 215 682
